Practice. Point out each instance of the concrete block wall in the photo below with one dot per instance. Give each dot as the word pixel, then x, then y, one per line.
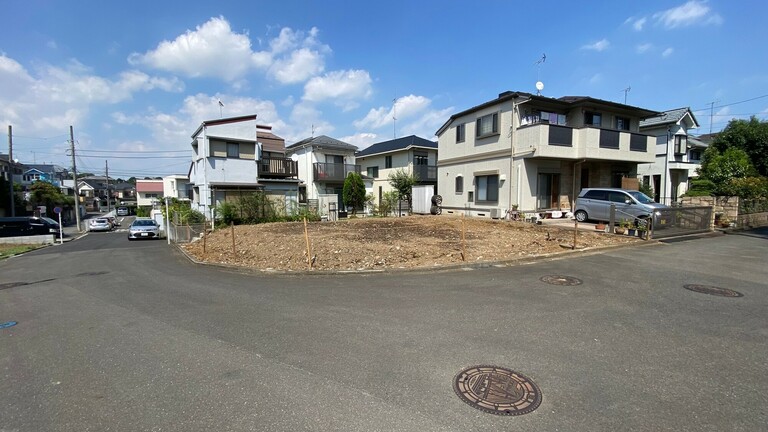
pixel 38 239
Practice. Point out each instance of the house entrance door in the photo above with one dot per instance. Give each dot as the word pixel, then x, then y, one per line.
pixel 548 194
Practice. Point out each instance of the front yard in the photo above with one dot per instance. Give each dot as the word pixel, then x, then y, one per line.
pixel 380 243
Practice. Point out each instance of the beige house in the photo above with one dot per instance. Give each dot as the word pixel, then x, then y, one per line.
pixel 536 153
pixel 415 155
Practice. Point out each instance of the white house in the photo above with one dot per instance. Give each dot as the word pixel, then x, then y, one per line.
pixel 678 154
pixel 417 156
pixel 177 186
pixel 236 156
pixel 536 153
pixel 149 192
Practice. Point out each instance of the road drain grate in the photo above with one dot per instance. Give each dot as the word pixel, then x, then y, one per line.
pixel 713 290
pixel 10 285
pixel 497 390
pixel 561 280
pixel 7 324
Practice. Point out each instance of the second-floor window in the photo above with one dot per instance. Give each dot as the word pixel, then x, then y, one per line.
pixel 373 172
pixel 622 123
pixel 593 118
pixel 681 142
pixel 460 132
pixel 487 125
pixel 420 159
pixel 233 150
pixel 387 161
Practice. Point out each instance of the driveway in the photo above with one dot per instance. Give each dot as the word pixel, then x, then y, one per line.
pixel 113 335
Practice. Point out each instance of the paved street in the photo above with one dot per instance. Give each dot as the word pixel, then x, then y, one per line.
pixel 130 336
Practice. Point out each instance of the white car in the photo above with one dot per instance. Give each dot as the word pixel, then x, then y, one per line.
pixel 143 228
pixel 100 224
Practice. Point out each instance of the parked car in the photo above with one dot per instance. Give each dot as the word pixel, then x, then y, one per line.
pixel 122 211
pixel 143 228
pixel 595 204
pixel 27 226
pixel 100 224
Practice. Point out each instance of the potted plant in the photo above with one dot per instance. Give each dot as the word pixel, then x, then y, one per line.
pixel 622 227
pixel 642 230
pixel 600 226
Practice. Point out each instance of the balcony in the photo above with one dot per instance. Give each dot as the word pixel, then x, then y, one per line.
pixel 333 172
pixel 278 167
pixel 425 173
pixel 564 142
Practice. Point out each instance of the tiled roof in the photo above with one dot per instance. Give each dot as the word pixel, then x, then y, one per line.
pixel 666 117
pixel 323 141
pixel 397 144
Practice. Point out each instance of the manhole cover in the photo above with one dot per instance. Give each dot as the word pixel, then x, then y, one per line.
pixel 713 290
pixel 497 390
pixel 7 324
pixel 9 285
pixel 561 280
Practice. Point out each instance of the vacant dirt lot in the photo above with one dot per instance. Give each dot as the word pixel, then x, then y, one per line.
pixel 376 243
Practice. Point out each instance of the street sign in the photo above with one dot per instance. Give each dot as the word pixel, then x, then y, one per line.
pixel 57 210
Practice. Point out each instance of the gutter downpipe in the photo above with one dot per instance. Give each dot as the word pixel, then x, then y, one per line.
pixel 512 132
pixel 666 168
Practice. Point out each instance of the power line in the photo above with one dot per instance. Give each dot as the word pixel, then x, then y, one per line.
pixel 135 151
pixel 733 103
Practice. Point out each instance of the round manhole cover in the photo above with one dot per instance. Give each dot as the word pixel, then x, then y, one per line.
pixel 7 324
pixel 9 285
pixel 561 280
pixel 713 290
pixel 497 390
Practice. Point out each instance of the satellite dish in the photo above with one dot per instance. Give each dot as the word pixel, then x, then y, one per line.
pixel 539 85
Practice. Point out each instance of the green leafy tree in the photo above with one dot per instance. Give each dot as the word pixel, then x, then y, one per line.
pixel 721 168
pixel 751 136
pixel 354 191
pixel 43 193
pixel 403 181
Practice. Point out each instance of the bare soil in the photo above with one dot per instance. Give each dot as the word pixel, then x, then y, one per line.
pixel 386 243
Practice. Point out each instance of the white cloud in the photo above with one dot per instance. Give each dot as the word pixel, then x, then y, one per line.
pixel 214 50
pixel 339 86
pixel 600 45
pixel 692 12
pixel 414 114
pixel 596 78
pixel 362 140
pixel 642 48
pixel 667 52
pixel 637 23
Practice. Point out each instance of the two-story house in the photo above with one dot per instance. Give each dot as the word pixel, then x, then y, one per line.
pixel 236 156
pixel 536 153
pixel 53 174
pixel 177 186
pixel 417 156
pixel 149 192
pixel 678 154
pixel 324 163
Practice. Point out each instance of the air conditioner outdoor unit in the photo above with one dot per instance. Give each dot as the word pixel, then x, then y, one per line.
pixel 495 213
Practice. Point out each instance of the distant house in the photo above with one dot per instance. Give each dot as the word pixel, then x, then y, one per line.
pixel 177 186
pixel 536 153
pixel 53 174
pixel 149 192
pixel 94 191
pixel 323 164
pixel 417 156
pixel 234 157
pixel 678 154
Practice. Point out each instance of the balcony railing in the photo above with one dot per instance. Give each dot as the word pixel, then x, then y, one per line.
pixel 425 173
pixel 278 167
pixel 333 172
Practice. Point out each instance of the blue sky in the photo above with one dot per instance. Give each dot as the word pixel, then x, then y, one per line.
pixel 135 79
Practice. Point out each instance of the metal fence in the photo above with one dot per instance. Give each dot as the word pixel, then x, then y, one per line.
pixel 677 221
pixel 185 233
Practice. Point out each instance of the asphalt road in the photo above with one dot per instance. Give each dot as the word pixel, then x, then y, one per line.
pixel 130 336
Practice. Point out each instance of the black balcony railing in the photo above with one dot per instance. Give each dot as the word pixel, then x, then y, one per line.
pixel 425 173
pixel 333 172
pixel 278 167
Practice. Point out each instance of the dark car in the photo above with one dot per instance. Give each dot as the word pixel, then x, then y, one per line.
pixel 27 226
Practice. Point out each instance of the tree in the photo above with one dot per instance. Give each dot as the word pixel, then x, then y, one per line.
pixel 720 168
pixel 354 191
pixel 751 136
pixel 45 194
pixel 402 181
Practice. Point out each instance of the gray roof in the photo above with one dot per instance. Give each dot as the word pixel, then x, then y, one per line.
pixel 324 142
pixel 668 117
pixel 397 144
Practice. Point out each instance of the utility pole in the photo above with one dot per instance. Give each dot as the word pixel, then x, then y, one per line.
pixel 711 113
pixel 10 171
pixel 109 196
pixel 74 177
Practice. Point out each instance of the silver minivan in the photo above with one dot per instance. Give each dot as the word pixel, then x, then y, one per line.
pixel 595 204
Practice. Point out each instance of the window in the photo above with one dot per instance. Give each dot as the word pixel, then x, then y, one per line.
pixel 622 123
pixel 387 161
pixel 459 184
pixel 487 188
pixel 487 125
pixel 420 159
pixel 695 155
pixel 373 172
pixel 460 131
pixel 233 150
pixel 593 119
pixel 681 142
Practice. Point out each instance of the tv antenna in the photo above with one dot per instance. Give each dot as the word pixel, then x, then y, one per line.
pixel 626 90
pixel 711 113
pixel 394 118
pixel 539 84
